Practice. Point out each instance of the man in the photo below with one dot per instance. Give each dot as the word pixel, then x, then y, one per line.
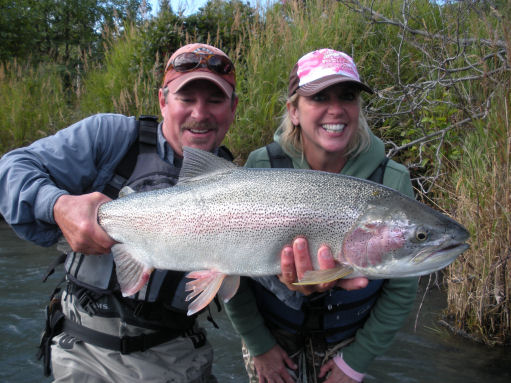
pixel 55 187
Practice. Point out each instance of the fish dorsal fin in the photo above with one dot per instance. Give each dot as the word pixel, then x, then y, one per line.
pixel 198 164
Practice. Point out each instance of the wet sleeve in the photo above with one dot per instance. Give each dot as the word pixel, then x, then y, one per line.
pixel 77 160
pixel 247 321
pixel 386 319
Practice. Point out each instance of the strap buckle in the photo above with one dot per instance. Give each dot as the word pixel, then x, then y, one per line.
pixel 88 304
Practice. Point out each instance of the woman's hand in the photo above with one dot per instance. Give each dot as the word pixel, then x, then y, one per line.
pixel 336 375
pixel 295 261
pixel 271 366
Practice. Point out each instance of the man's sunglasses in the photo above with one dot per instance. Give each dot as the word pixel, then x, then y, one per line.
pixel 186 62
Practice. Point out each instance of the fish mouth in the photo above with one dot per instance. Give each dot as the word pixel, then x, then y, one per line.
pixel 440 253
pixel 452 250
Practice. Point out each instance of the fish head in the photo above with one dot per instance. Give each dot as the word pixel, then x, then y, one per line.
pixel 400 237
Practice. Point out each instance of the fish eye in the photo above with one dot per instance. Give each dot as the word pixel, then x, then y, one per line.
pixel 421 234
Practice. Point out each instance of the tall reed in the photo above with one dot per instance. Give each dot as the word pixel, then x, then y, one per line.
pixel 33 103
pixel 479 282
pixel 122 83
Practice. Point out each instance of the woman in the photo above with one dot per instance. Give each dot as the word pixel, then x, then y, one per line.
pixel 305 335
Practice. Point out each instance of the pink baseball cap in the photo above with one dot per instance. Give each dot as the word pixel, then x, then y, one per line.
pixel 320 69
pixel 175 80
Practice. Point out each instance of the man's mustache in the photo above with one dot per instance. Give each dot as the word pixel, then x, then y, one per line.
pixel 190 124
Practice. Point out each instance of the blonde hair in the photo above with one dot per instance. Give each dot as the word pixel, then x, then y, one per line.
pixel 291 136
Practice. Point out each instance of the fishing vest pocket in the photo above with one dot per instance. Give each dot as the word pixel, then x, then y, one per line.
pixel 90 270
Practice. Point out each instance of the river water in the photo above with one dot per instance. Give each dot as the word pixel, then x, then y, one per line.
pixel 422 353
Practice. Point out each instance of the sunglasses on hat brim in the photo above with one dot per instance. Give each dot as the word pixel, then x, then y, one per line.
pixel 190 61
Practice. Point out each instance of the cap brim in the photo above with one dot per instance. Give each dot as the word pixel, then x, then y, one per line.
pixel 318 85
pixel 178 83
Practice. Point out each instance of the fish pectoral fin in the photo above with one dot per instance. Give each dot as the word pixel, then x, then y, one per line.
pixel 229 287
pixel 132 274
pixel 314 277
pixel 203 288
pixel 126 190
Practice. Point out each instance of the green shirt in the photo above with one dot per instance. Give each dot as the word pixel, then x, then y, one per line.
pixel 392 307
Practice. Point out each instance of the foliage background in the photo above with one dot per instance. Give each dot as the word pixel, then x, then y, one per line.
pixel 441 73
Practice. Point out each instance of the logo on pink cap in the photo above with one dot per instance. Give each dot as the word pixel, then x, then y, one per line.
pixel 322 68
pixel 325 62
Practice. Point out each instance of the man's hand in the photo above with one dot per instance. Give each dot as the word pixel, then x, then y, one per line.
pixel 77 219
pixel 336 375
pixel 271 366
pixel 295 261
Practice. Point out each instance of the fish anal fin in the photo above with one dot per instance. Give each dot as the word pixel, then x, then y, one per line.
pixel 132 274
pixel 229 287
pixel 203 288
pixel 314 277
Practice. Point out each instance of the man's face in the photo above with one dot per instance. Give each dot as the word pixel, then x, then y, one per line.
pixel 198 115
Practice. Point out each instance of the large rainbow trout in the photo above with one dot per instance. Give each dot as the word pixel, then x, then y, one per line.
pixel 222 221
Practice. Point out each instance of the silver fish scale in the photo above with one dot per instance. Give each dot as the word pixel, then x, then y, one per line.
pixel 237 222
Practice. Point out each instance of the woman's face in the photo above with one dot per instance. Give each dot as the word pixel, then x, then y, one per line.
pixel 328 119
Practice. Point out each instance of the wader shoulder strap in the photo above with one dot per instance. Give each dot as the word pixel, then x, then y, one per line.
pixel 225 153
pixel 147 127
pixel 278 159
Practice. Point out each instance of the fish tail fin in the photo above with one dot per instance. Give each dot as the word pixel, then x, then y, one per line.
pixel 205 285
pixel 132 274
pixel 314 277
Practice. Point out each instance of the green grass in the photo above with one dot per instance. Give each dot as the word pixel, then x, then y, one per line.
pixel 33 103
